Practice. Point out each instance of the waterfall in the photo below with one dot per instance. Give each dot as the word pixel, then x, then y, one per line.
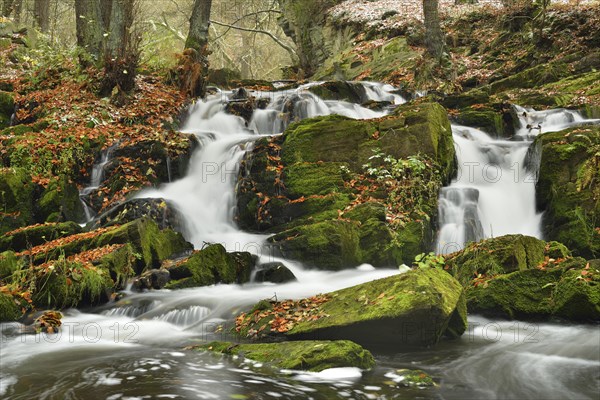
pixel 494 191
pixel 95 180
pixel 206 196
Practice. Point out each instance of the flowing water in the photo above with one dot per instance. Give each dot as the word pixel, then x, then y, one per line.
pixel 95 181
pixel 132 349
pixel 494 191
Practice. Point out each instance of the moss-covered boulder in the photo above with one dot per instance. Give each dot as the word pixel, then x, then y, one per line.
pixel 10 310
pixel 568 188
pixel 7 107
pixel 210 266
pixel 16 199
pixel 521 277
pixel 274 272
pixel 488 120
pixel 352 92
pixel 35 235
pixel 59 201
pixel 310 355
pixel 416 308
pixel 160 211
pixel 569 290
pixel 308 186
pixel 502 255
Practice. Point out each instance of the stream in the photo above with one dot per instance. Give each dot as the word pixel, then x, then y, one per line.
pixel 133 348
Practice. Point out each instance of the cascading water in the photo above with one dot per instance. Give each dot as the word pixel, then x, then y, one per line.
pixel 131 348
pixel 95 181
pixel 494 191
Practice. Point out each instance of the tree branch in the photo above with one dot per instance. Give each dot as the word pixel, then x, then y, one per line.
pixel 289 49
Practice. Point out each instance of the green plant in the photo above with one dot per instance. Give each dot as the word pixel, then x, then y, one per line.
pixel 430 260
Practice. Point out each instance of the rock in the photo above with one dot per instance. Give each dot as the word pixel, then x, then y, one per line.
pixel 299 185
pixel 569 291
pixel 413 378
pixel 502 255
pixel 159 210
pixel 313 356
pixel 36 235
pixel 223 77
pixel 16 200
pixel 210 266
pixel 7 108
pixel 352 92
pixel 9 263
pixel 9 308
pixel 568 188
pixel 59 202
pixel 245 106
pixel 489 121
pixel 152 279
pixel 332 245
pixel 274 272
pixel 412 309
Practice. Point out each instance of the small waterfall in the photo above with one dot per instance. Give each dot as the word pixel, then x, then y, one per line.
pixel 494 191
pixel 95 182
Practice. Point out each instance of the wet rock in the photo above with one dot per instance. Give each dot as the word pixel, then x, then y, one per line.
pixel 353 92
pixel 159 210
pixel 568 188
pixel 153 279
pixel 274 272
pixel 210 266
pixel 413 378
pixel 35 235
pixel 59 202
pixel 244 106
pixel 412 309
pixel 223 77
pixel 313 355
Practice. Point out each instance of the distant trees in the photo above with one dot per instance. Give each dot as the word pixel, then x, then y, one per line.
pixel 434 38
pixel 12 8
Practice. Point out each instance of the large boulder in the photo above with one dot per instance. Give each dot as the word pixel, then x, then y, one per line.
pixel 568 188
pixel 316 355
pixel 525 278
pixel 210 266
pixel 309 186
pixel 415 308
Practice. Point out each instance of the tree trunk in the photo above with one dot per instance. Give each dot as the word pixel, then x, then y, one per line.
pixel 41 11
pixel 90 27
pixel 193 66
pixel 434 38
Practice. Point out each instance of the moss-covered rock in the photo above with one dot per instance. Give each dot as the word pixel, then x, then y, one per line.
pixel 308 185
pixel 577 294
pixel 7 107
pixel 16 199
pixel 489 121
pixel 568 188
pixel 414 378
pixel 36 235
pixel 502 255
pixel 415 308
pixel 352 92
pixel 210 266
pixel 327 245
pixel 9 263
pixel 274 272
pixel 313 356
pixel 59 202
pixel 9 308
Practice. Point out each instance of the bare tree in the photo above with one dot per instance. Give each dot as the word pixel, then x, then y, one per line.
pixel 41 13
pixel 434 38
pixel 193 66
pixel 90 26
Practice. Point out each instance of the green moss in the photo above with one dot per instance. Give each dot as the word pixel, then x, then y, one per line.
pixel 307 179
pixel 7 107
pixel 16 199
pixel 37 235
pixel 501 255
pixel 60 196
pixel 568 188
pixel 411 240
pixel 405 310
pixel 303 355
pixel 67 284
pixel 210 266
pixel 326 245
pixel 16 130
pixel 9 309
pixel 577 294
pixel 415 378
pixel 532 77
pixel 9 263
pixel 487 120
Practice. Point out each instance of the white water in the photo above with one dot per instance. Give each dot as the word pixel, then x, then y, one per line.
pixel 132 348
pixel 95 181
pixel 494 191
